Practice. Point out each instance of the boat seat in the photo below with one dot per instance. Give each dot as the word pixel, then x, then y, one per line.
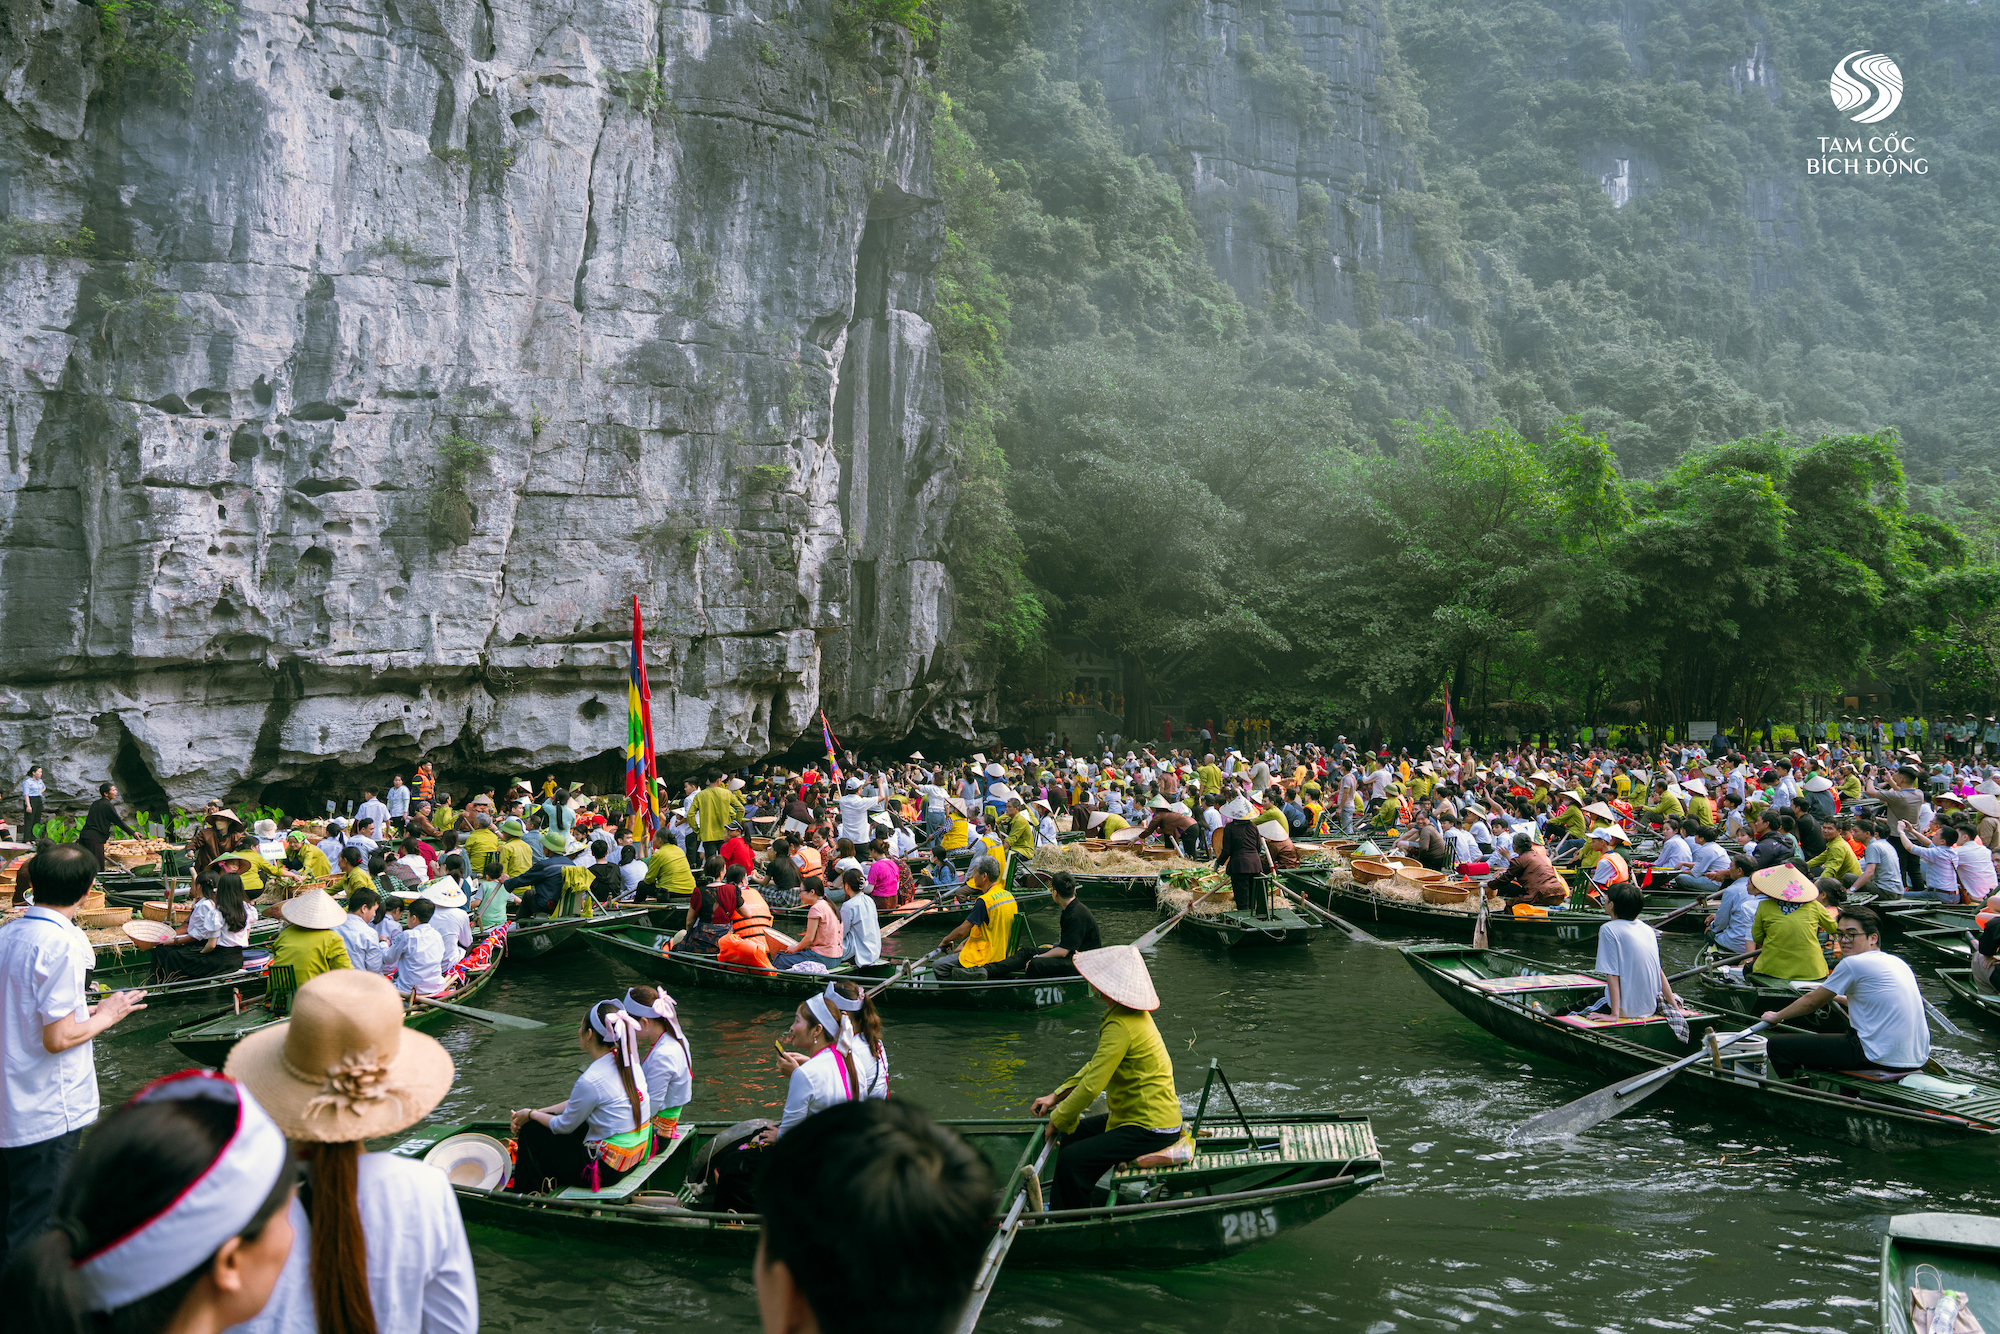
pixel 1338 1141
pixel 1877 1075
pixel 628 1185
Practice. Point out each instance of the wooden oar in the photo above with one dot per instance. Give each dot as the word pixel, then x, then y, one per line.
pixel 907 967
pixel 1003 1241
pixel 491 1018
pixel 1576 1117
pixel 942 901
pixel 1152 937
pixel 1354 932
pixel 1687 909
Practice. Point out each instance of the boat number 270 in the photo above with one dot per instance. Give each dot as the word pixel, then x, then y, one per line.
pixel 1249 1225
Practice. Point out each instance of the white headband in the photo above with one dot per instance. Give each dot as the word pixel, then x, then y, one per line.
pixel 661 1008
pixel 840 1002
pixel 825 1015
pixel 620 1032
pixel 217 1206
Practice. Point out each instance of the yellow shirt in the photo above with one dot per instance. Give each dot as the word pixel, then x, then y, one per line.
pixel 314 862
pixel 1211 778
pixel 515 858
pixel 308 953
pixel 668 868
pixel 1112 824
pixel 1838 859
pixel 356 878
pixel 957 836
pixel 253 879
pixel 478 844
pixel 714 808
pixel 1020 833
pixel 1131 1069
pixel 1623 784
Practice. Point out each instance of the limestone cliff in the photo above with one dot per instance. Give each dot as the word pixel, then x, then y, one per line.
pixel 357 374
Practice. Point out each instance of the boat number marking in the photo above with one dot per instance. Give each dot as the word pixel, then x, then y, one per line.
pixel 410 1148
pixel 1048 996
pixel 1249 1225
pixel 1569 933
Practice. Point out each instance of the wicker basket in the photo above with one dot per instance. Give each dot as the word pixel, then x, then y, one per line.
pixel 155 910
pixel 1368 872
pixel 95 919
pixel 1445 893
pixel 1159 854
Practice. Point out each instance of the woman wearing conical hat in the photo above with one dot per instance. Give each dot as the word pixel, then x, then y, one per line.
pixel 1130 1067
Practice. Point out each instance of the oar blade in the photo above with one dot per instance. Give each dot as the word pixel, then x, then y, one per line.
pixel 492 1018
pixel 1573 1118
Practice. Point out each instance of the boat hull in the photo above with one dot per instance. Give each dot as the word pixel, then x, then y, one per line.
pixel 1238 930
pixel 640 951
pixel 1832 1106
pixel 1963 1248
pixel 1570 929
pixel 1220 1213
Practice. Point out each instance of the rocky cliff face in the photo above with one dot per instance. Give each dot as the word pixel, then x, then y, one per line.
pixel 414 338
pixel 1272 117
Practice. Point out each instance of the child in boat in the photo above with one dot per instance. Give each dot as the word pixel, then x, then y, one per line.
pixel 218 928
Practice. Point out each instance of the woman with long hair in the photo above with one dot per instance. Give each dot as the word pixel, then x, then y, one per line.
pixel 669 1062
pixel 861 1031
pixel 602 1130
pixel 379 1246
pixel 218 929
pixel 172 1216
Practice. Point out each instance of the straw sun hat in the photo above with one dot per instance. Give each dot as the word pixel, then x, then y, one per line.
pixel 343 1067
pixel 1120 973
pixel 1784 883
pixel 314 910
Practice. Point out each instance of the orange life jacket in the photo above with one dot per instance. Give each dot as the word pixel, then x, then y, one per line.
pixel 753 915
pixel 741 952
pixel 1620 872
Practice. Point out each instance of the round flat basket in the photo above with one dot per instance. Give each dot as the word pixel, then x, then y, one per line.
pixel 477 1161
pixel 1445 894
pixel 149 934
pixel 1368 872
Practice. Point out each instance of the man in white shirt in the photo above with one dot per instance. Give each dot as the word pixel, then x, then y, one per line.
pixel 1710 857
pixel 1885 1009
pixel 1378 782
pixel 48 1094
pixel 855 808
pixel 364 946
pixel 399 797
pixel 1628 954
pixel 371 809
pixel 418 954
pixel 362 836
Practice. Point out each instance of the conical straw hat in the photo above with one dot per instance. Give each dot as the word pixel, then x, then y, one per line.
pixel 1120 973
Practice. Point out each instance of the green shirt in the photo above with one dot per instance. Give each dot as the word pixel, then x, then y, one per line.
pixel 1211 778
pixel 515 858
pixel 1668 804
pixel 1838 859
pixel 668 868
pixel 1112 824
pixel 1133 1072
pixel 714 808
pixel 308 953
pixel 1020 833
pixel 1788 943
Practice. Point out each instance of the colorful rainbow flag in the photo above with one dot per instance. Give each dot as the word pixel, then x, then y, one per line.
pixel 832 746
pixel 641 765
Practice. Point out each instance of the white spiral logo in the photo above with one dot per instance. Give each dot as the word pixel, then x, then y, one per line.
pixel 1870 76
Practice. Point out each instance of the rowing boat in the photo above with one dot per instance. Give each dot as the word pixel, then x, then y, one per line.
pixel 1529 1003
pixel 797 916
pixel 647 953
pixel 1575 927
pixel 1235 928
pixel 1753 996
pixel 1239 1192
pixel 1959 1252
pixel 1946 945
pixel 208 1041
pixel 534 939
pixel 247 981
pixel 1958 981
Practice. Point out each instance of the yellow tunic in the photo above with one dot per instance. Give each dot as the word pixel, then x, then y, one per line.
pixel 1131 1069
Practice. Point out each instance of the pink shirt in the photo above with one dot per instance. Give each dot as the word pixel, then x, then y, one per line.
pixel 883 878
pixel 827 942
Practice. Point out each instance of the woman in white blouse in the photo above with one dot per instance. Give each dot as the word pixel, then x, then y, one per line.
pixel 603 1130
pixel 218 928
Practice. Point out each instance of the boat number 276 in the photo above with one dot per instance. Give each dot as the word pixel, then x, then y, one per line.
pixel 1249 1225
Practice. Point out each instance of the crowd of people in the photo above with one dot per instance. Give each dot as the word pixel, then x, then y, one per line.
pixel 213 1233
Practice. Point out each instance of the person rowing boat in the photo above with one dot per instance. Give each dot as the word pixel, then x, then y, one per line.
pixel 988 927
pixel 1130 1067
pixel 1078 933
pixel 1889 1030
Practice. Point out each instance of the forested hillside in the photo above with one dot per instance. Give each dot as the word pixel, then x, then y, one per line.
pixel 1207 262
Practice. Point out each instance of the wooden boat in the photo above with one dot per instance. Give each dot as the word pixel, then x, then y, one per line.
pixel 536 938
pixel 208 1041
pixel 645 951
pixel 1901 916
pixel 130 891
pixel 1237 929
pixel 1958 981
pixel 1946 945
pixel 1751 997
pixel 136 971
pixel 1528 1003
pixel 793 920
pixel 1962 1249
pixel 1240 1191
pixel 1574 927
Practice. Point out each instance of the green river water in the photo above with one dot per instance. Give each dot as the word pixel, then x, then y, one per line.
pixel 1667 1219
